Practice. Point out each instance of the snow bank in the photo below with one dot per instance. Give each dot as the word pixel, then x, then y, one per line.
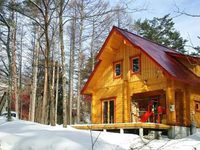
pixel 24 135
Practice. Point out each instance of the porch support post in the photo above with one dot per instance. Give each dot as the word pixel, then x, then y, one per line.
pixel 141 132
pixel 170 103
pixel 187 113
pixel 126 97
pixel 121 131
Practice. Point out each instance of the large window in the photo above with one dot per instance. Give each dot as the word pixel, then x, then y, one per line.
pixel 117 69
pixel 135 64
pixel 108 110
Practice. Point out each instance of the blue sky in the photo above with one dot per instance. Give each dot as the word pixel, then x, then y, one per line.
pixel 189 27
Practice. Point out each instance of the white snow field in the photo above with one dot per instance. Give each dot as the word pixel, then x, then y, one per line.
pixel 25 135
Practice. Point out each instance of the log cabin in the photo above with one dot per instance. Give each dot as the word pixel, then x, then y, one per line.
pixel 137 80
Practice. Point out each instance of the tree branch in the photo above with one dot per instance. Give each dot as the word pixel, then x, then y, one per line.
pixel 2 41
pixel 4 64
pixel 4 72
pixel 4 20
pixel 30 17
pixel 182 12
pixel 38 7
pixel 63 9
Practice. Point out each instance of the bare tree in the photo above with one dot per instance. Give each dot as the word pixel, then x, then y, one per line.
pixel 13 41
pixel 57 90
pixel 80 55
pixel 62 6
pixel 71 64
pixel 6 42
pixel 35 71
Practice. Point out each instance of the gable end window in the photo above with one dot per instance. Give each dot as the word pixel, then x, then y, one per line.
pixel 117 69
pixel 135 64
pixel 197 106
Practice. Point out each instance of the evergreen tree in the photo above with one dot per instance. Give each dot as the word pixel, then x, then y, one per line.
pixel 162 31
pixel 196 50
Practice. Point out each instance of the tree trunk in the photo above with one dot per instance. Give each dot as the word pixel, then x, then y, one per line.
pixel 79 63
pixel 34 78
pixel 57 86
pixel 14 74
pixel 92 45
pixel 64 80
pixel 52 90
pixel 10 85
pixel 71 68
pixel 44 100
pixel 47 82
pixel 20 69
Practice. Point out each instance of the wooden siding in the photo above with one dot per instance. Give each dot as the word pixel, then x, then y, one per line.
pixel 149 79
pixel 195 96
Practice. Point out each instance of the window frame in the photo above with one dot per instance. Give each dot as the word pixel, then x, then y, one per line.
pixel 102 108
pixel 121 69
pixel 197 103
pixel 131 64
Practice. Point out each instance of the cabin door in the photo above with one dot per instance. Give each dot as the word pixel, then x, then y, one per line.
pixel 108 111
pixel 179 107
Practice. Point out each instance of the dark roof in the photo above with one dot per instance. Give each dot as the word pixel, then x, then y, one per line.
pixel 161 55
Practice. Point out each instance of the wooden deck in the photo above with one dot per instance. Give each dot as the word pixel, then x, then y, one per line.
pixel 136 125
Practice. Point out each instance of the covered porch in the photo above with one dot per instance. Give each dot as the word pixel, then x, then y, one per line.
pixel 149 107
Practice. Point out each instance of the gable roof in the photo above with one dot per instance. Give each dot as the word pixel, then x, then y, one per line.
pixel 164 57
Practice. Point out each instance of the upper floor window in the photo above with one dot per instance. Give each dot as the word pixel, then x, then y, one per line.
pixel 117 69
pixel 135 64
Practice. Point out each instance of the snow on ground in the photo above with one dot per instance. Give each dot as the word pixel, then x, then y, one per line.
pixel 24 135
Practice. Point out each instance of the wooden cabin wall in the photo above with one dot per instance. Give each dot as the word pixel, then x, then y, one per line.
pixel 149 79
pixel 106 87
pixel 195 96
pixel 181 103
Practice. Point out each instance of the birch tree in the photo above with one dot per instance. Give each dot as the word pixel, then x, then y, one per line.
pixel 34 78
pixel 71 65
pixel 62 6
